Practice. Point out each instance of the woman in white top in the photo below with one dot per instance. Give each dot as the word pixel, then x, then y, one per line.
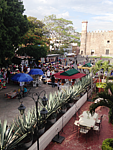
pixel 48 73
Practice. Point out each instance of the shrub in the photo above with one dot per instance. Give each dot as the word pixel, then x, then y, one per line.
pixel 107 144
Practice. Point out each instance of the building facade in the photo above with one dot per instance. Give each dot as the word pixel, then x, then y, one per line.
pixel 96 43
pixel 72 48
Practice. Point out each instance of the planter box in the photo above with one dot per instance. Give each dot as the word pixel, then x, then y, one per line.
pixel 47 137
pixel 27 145
pixel 64 110
pixel 71 104
pixel 41 131
pixel 52 121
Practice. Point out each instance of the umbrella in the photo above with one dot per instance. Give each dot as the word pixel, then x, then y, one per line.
pixel 22 77
pixel 36 72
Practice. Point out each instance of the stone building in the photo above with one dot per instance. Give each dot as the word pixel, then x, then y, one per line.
pixel 96 43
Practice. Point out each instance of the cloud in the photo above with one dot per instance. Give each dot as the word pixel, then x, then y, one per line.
pixel 64 15
pixel 106 17
pixel 94 25
pixel 97 12
pixel 107 2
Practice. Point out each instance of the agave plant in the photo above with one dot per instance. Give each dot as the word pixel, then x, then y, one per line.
pixel 26 122
pixel 8 137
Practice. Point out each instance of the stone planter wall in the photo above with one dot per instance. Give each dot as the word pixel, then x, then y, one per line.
pixel 47 137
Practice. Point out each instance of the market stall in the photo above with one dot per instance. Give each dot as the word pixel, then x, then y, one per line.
pixel 70 74
pixel 36 75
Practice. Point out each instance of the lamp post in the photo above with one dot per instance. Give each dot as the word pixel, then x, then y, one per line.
pixel 21 108
pixel 43 112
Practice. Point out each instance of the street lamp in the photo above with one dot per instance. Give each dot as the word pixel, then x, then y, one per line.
pixel 43 112
pixel 21 108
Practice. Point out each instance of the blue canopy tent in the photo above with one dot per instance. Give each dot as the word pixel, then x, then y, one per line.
pixel 22 77
pixel 36 72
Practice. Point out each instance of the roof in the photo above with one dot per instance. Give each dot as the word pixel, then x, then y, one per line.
pixel 70 72
pixel 52 55
pixel 87 65
pixel 70 54
pixel 75 76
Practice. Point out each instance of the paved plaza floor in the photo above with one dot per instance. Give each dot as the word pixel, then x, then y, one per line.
pixel 9 107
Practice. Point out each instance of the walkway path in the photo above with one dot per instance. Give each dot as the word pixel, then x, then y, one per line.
pixel 73 141
pixel 9 107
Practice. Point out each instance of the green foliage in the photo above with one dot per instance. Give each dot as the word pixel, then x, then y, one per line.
pixel 111 115
pixel 13 25
pixel 60 29
pixel 34 50
pixel 58 99
pixel 56 52
pixel 107 144
pixel 35 26
pixel 31 39
pixel 25 124
pixel 9 137
pixel 110 78
pixel 107 101
pixel 101 85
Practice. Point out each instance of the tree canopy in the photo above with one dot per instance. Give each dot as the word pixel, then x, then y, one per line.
pixel 34 43
pixel 13 25
pixel 60 29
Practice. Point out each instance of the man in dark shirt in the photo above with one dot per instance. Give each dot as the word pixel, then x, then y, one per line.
pixel 53 81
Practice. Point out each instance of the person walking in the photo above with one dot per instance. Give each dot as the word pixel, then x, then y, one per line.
pixel 53 81
pixel 58 84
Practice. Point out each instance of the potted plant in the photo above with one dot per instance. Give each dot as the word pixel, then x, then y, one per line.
pixel 41 126
pixel 52 118
pixel 71 102
pixel 107 144
pixel 64 108
pixel 26 124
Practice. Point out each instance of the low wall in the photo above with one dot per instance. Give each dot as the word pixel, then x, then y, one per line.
pixel 47 137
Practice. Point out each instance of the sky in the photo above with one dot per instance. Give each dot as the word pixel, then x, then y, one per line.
pixel 98 13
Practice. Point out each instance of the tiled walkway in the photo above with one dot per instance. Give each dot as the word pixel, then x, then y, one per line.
pixel 92 142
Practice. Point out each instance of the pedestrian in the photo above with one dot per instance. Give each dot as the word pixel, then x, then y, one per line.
pixel 58 85
pixel 8 75
pixel 24 91
pixel 48 73
pixel 53 81
pixel 76 61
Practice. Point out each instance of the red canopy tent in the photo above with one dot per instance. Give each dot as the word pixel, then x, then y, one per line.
pixel 75 76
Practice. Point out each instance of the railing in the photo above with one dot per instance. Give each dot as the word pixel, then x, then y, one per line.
pixel 47 137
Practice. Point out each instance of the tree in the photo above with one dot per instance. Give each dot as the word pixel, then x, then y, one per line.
pixel 31 39
pixel 60 29
pixel 34 43
pixel 35 51
pixel 106 67
pixel 97 68
pixel 107 101
pixel 13 25
pixel 35 26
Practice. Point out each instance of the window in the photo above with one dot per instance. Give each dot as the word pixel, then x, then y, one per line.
pixel 108 41
pixel 107 51
pixel 81 52
pixel 92 52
